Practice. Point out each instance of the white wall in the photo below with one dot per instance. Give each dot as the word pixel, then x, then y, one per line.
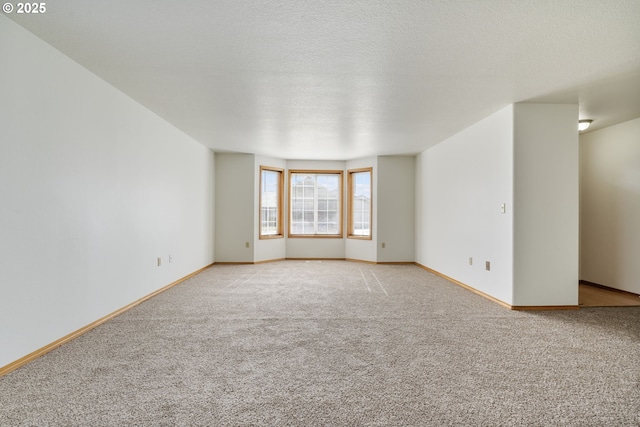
pixel 235 207
pixel 300 247
pixel 269 249
pixel 526 157
pixel 361 249
pixel 610 206
pixel 93 188
pixel 546 204
pixel 460 186
pixel 396 208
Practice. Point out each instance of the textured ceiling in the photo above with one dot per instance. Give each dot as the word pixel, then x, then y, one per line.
pixel 312 79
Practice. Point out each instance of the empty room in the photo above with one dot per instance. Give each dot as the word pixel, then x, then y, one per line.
pixel 320 213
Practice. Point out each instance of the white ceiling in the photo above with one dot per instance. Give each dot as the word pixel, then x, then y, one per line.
pixel 339 79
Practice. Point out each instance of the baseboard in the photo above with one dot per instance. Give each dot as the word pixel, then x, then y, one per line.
pixel 496 300
pixel 544 307
pixel 380 262
pixel 363 261
pixel 269 260
pixel 234 263
pixel 52 346
pixel 396 263
pixel 316 259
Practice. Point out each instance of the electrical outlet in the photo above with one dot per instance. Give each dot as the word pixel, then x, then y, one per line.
pixel 470 260
pixel 170 258
pixel 159 261
pixel 503 208
pixel 487 266
pixel 246 244
pixel 384 245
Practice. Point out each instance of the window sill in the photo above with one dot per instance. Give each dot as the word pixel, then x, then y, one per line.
pixel 271 236
pixel 356 237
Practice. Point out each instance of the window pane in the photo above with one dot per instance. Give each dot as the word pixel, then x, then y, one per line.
pixel 308 216
pixel 270 198
pixel 360 200
pixel 313 197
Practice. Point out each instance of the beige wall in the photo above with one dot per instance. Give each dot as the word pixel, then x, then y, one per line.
pixel 237 201
pixel 610 206
pixel 545 204
pixel 396 209
pixel 235 208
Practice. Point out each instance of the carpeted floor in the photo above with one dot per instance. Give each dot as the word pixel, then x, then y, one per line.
pixel 298 343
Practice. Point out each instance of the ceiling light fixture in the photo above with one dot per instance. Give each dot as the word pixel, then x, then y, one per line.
pixel 584 124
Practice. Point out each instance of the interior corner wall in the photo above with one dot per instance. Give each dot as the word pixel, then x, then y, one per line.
pixel 396 209
pixel 546 204
pixel 235 207
pixel 610 206
pixel 361 249
pixel 420 200
pixel 460 186
pixel 93 189
pixel 269 249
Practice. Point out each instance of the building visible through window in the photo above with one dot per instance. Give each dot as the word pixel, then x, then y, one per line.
pixel 271 189
pixel 360 203
pixel 315 204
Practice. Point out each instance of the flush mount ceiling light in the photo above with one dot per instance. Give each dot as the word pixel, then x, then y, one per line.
pixel 584 124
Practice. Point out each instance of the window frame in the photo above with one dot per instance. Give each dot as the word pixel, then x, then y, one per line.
pixel 350 203
pixel 340 175
pixel 280 208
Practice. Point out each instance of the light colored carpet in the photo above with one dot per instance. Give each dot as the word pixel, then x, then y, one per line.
pixel 298 343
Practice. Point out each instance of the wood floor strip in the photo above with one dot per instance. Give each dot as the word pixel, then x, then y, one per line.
pixel 595 295
pixel 52 346
pixel 544 307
